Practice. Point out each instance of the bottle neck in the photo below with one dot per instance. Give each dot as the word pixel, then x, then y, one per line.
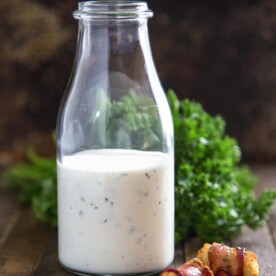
pixel 113 39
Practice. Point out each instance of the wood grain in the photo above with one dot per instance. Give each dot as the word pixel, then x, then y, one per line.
pixel 191 247
pixel 21 251
pixel 267 180
pixel 9 212
pixel 178 257
pixel 266 175
pixel 260 242
pixel 49 264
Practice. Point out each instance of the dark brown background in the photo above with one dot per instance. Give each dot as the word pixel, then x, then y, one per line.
pixel 221 53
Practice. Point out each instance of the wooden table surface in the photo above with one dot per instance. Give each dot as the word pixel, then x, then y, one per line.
pixel 29 247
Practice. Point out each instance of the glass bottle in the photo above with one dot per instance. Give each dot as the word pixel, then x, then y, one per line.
pixel 115 161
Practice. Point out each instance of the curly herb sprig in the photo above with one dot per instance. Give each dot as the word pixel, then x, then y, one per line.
pixel 214 196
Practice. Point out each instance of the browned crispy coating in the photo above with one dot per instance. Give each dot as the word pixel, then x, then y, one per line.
pixel 224 260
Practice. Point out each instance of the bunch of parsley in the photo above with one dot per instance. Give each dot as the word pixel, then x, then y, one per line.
pixel 214 196
pixel 36 183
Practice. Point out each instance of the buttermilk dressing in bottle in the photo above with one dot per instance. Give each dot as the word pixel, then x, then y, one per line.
pixel 115 152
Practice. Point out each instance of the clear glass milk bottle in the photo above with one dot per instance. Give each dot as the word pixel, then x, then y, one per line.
pixel 115 160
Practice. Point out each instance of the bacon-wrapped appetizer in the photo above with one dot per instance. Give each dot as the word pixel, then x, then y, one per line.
pixel 191 268
pixel 226 261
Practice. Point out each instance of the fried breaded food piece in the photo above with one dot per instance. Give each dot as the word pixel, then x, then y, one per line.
pixel 191 268
pixel 224 260
pixel 251 266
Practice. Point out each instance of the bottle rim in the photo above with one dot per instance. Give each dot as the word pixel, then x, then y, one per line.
pixel 112 9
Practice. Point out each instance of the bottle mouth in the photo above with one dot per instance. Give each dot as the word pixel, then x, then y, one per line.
pixel 112 9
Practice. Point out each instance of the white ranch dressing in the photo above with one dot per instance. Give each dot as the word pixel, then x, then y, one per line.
pixel 116 211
